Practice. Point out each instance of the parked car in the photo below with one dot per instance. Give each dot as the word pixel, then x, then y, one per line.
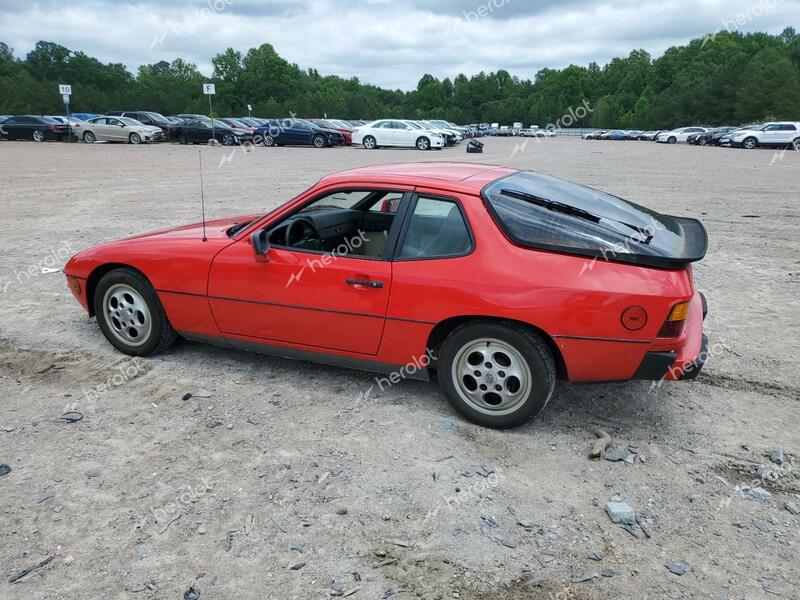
pixel 31 127
pixel 776 134
pixel 117 129
pixel 593 135
pixel 298 132
pixel 347 132
pixel 451 136
pixel 615 134
pixel 145 117
pixel 202 130
pixel 237 124
pixel 83 116
pixel 678 135
pixel 395 132
pixel 592 313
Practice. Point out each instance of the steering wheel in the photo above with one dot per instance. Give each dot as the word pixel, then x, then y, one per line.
pixel 303 234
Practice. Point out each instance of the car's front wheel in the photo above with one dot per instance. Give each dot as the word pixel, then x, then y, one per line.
pixel 796 143
pixel 370 143
pixel 495 374
pixel 672 139
pixel 423 143
pixel 749 143
pixel 130 314
pixel 269 141
pixel 228 140
pixel 319 141
pixel 135 138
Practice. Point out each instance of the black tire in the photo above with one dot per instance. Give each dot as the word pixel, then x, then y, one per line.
pixel 228 140
pixel 528 345
pixel 319 141
pixel 161 334
pixel 135 138
pixel 182 139
pixel 795 144
pixel 703 142
pixel 268 141
pixel 672 139
pixel 38 135
pixel 89 137
pixel 749 143
pixel 370 143
pixel 423 143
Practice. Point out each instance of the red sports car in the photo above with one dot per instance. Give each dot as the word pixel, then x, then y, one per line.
pixel 499 281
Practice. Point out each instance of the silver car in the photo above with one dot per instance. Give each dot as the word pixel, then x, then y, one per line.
pixel 117 129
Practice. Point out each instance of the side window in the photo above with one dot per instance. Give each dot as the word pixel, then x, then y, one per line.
pixel 437 229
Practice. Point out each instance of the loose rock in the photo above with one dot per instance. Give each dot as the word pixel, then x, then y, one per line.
pixel 678 567
pixel 621 513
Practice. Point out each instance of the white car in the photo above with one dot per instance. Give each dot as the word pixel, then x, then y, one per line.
pixel 451 137
pixel 783 133
pixel 396 132
pixel 117 129
pixel 678 135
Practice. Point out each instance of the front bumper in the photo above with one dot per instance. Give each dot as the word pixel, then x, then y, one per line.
pixel 686 362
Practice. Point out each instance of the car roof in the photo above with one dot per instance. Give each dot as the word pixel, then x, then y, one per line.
pixel 454 176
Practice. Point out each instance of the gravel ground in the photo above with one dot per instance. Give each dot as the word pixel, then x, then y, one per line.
pixel 287 482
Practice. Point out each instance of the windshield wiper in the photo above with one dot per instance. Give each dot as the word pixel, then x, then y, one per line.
pixel 644 236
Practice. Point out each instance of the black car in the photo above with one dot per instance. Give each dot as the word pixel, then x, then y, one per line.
pixel 298 132
pixel 200 131
pixel 710 137
pixel 29 127
pixel 143 116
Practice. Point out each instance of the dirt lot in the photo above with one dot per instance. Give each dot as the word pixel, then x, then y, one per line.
pixel 288 483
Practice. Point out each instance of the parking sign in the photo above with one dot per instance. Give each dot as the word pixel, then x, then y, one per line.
pixel 209 89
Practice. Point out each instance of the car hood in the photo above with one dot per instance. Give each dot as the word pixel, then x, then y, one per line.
pixel 213 229
pixel 327 130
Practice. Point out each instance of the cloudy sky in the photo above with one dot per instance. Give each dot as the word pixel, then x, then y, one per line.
pixel 386 42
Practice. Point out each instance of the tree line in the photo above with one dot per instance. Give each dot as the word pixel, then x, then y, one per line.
pixel 723 78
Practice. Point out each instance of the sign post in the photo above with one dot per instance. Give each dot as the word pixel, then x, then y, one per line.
pixel 66 91
pixel 249 111
pixel 209 89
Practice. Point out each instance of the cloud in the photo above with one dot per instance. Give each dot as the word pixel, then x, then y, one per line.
pixel 390 43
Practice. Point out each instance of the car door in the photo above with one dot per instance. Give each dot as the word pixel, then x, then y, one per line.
pixel 116 130
pixel 320 301
pixel 382 132
pixel 404 134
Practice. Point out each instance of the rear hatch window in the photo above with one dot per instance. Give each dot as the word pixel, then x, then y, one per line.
pixel 547 213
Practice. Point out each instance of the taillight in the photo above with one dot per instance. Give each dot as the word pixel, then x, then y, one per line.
pixel 673 326
pixel 55 127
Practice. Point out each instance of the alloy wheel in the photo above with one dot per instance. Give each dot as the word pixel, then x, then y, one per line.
pixel 127 314
pixel 38 136
pixel 491 376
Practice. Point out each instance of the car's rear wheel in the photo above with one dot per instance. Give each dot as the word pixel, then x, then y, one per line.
pixel 749 143
pixel 495 374
pixel 130 314
pixel 370 143
pixel 319 141
pixel 796 143
pixel 672 139
pixel 89 137
pixel 38 135
pixel 135 138
pixel 423 143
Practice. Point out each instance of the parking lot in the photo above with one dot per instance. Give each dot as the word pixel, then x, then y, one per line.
pixel 283 479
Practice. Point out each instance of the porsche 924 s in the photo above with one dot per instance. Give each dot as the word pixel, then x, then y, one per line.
pixel 496 281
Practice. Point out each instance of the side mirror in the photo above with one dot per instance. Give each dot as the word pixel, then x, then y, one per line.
pixel 123 126
pixel 260 241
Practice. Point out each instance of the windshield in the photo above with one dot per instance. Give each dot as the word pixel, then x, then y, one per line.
pixel 128 121
pixel 155 116
pixel 412 125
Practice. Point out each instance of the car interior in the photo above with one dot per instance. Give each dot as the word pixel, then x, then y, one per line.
pixel 345 222
pixel 357 223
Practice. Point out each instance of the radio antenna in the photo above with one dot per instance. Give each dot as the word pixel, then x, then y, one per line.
pixel 202 194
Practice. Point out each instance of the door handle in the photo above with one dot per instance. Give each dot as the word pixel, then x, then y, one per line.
pixel 365 283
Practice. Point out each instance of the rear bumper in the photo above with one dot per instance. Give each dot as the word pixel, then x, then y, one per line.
pixel 686 362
